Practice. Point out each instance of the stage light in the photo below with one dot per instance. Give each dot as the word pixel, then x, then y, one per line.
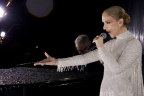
pixel 2 34
pixel 2 12
pixel 9 1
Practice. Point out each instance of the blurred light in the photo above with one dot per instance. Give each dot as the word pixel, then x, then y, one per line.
pixel 2 34
pixel 2 12
pixel 39 8
pixel 37 46
pixel 9 1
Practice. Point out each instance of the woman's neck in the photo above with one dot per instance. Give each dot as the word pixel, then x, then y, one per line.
pixel 123 29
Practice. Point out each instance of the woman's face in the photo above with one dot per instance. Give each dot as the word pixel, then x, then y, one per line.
pixel 111 25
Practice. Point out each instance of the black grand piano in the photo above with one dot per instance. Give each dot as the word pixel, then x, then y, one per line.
pixel 44 80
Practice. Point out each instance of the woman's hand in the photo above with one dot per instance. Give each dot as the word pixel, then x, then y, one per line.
pixel 48 61
pixel 98 40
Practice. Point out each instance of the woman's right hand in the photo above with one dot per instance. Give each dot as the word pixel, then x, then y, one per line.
pixel 48 61
pixel 98 40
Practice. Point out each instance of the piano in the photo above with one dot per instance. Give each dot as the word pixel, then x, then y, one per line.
pixel 39 81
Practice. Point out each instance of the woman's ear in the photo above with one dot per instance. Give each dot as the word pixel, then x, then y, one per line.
pixel 121 22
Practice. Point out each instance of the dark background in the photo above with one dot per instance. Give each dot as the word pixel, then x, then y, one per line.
pixel 29 36
pixel 56 32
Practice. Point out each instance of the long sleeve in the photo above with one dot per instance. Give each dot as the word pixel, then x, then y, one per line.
pixel 71 62
pixel 131 52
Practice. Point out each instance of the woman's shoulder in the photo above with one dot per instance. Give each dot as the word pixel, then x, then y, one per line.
pixel 135 43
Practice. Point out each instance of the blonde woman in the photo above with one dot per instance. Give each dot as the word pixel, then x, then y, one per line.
pixel 121 57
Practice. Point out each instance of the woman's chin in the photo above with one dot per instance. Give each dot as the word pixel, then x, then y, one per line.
pixel 112 36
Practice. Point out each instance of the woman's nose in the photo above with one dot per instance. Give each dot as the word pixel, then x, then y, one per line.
pixel 104 27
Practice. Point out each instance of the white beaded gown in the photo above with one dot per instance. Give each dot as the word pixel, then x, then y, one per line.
pixel 122 61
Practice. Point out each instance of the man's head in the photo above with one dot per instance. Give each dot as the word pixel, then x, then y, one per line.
pixel 82 43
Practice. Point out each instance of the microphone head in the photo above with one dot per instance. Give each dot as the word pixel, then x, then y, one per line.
pixel 104 35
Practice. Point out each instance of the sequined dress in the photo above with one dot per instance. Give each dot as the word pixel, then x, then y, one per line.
pixel 122 61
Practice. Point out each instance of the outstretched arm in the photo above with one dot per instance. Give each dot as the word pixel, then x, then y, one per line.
pixel 48 61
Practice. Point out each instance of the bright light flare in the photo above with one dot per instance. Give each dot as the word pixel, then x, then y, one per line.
pixel 2 34
pixel 2 12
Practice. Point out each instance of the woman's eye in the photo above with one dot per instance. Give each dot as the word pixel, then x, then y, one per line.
pixel 107 22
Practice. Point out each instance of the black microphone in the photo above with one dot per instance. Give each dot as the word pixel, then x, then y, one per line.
pixel 104 35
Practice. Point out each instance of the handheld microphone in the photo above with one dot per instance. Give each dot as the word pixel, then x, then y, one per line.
pixel 104 35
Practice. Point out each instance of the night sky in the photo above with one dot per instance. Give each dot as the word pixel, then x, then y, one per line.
pixel 28 36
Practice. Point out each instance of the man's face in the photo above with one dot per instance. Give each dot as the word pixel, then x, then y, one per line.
pixel 82 49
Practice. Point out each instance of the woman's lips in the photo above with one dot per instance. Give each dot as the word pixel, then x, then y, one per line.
pixel 108 32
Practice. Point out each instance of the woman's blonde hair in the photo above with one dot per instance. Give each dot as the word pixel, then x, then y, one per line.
pixel 117 13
